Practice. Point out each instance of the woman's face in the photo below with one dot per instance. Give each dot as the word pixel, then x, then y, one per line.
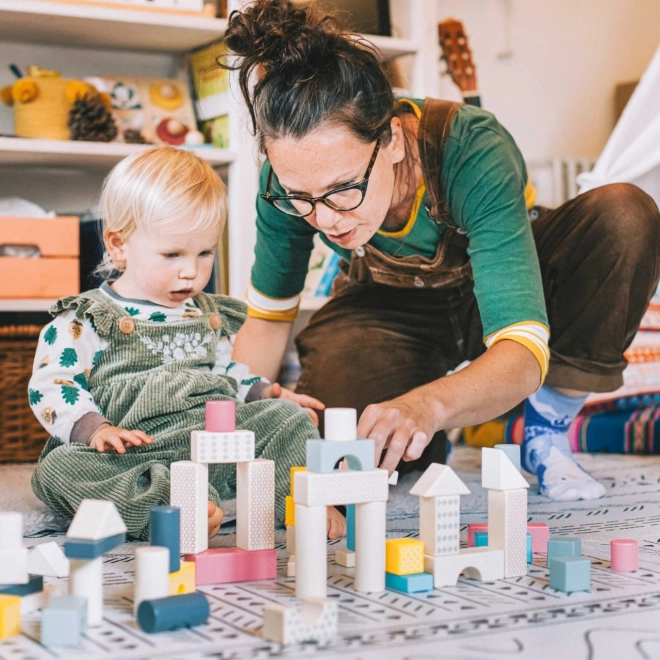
pixel 330 157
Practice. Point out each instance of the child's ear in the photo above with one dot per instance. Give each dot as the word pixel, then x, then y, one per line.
pixel 114 244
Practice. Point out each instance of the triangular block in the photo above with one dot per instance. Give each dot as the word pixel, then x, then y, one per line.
pixel 49 560
pixel 439 481
pixel 498 472
pixel 95 520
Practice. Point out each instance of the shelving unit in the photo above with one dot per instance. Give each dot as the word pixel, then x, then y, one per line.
pixel 26 304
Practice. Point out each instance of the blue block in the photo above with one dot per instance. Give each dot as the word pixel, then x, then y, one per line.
pixel 564 546
pixel 480 539
pixel 173 612
pixel 323 455
pixel 165 531
pixel 63 621
pixel 569 574
pixel 409 584
pixel 34 586
pixel 350 527
pixel 79 549
pixel 513 452
pixel 530 558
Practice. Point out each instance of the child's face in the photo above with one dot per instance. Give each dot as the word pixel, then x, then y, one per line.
pixel 165 267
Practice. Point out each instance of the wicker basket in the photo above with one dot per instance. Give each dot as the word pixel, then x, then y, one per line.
pixel 21 436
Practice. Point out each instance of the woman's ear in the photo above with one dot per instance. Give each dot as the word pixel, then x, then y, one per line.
pixel 397 145
pixel 114 244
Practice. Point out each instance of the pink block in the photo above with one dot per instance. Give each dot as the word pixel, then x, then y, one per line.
pixel 540 533
pixel 475 527
pixel 221 565
pixel 624 555
pixel 220 416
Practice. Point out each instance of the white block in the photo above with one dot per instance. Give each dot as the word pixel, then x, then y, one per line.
pixel 34 602
pixel 48 560
pixel 11 530
pixel 13 566
pixel 255 505
pixel 439 481
pixel 485 564
pixel 311 554
pixel 340 487
pixel 345 558
pixel 370 527
pixel 152 574
pixel 234 447
pixel 86 580
pixel 394 478
pixel 498 472
pixel 291 566
pixel 316 621
pixel 340 424
pixel 507 528
pixel 189 490
pixel 291 539
pixel 439 524
pixel 95 520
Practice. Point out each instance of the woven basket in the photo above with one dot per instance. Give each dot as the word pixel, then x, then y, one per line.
pixel 21 436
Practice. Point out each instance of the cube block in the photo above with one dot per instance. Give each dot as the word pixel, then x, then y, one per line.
pixel 409 584
pixel 480 540
pixel 63 621
pixel 345 558
pixel 222 565
pixel 404 556
pixel 10 616
pixel 183 581
pixel 540 536
pixel 80 549
pixel 564 546
pixel 569 574
pixel 472 529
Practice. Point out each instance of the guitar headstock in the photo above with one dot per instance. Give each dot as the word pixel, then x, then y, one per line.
pixel 458 56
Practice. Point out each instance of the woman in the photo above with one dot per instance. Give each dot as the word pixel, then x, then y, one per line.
pixel 426 202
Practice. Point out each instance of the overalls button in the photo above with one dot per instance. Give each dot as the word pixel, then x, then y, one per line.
pixel 419 282
pixel 215 321
pixel 359 251
pixel 127 325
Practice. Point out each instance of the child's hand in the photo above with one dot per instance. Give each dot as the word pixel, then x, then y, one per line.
pixel 215 518
pixel 276 391
pixel 113 438
pixel 336 523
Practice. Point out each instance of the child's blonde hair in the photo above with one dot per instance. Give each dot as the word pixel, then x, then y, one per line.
pixel 158 188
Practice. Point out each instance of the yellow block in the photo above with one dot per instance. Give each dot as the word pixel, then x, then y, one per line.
pixel 10 616
pixel 293 471
pixel 290 512
pixel 183 580
pixel 404 556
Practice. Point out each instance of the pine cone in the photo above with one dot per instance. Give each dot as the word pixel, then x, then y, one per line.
pixel 90 120
pixel 134 136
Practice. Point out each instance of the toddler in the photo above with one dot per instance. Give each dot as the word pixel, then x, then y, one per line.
pixel 122 373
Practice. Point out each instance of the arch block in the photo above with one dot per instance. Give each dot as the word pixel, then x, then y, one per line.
pixel 484 564
pixel 316 621
pixel 322 455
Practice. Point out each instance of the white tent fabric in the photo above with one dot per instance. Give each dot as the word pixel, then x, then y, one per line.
pixel 632 154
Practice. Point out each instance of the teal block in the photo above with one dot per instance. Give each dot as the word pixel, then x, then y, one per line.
pixel 530 558
pixel 323 455
pixel 350 527
pixel 480 539
pixel 409 584
pixel 165 531
pixel 79 549
pixel 513 452
pixel 63 621
pixel 564 546
pixel 34 586
pixel 569 574
pixel 173 612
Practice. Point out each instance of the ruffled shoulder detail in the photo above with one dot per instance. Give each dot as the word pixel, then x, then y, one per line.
pixel 232 311
pixel 92 305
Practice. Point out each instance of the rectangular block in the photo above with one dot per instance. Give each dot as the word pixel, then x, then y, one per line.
pixel 34 585
pixel 409 584
pixel 78 549
pixel 291 540
pixel 507 527
pixel 484 564
pixel 289 511
pixel 294 469
pixel 350 527
pixel 189 490
pixel 564 546
pixel 234 447
pixel 255 505
pixel 10 616
pixel 63 621
pixel 404 556
pixel 472 529
pixel 340 487
pixel 183 581
pixel 13 566
pixel 530 557
pixel 291 566
pixel 570 574
pixel 540 536
pixel 222 565
pixel 345 558
pixel 323 455
pixel 439 524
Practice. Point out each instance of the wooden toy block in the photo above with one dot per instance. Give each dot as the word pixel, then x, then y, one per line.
pixel 222 565
pixel 13 556
pixel 289 511
pixel 152 575
pixel 214 448
pixel 530 557
pixel 480 540
pixel 370 529
pixel 394 479
pixel 439 524
pixel 570 574
pixel 350 527
pixel 540 536
pixel 183 581
pixel 624 555
pixel 48 559
pixel 189 491
pixel 96 520
pixel 513 452
pixel 472 529
pixel 63 621
pixel 165 531
pixel 315 621
pixel 291 566
pixel 255 505
pixel 34 585
pixel 78 549
pixel 291 540
pixel 404 556
pixel 296 468
pixel 173 612
pixel 323 455
pixel 345 558
pixel 507 527
pixel 410 584
pixel 311 553
pixel 36 601
pixel 86 581
pixel 220 416
pixel 340 487
pixel 564 546
pixel 439 481
pixel 10 616
pixel 484 564
pixel 340 424
pixel 498 472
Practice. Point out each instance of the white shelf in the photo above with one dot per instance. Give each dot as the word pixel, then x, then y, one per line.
pixel 35 152
pixel 391 47
pixel 64 24
pixel 26 304
pixel 312 303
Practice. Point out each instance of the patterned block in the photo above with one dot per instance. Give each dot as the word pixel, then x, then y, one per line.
pixel 255 505
pixel 569 574
pixel 189 490
pixel 10 616
pixel 235 447
pixel 485 564
pixel 340 487
pixel 409 584
pixel 183 580
pixel 507 528
pixel 404 556
pixel 316 621
pixel 322 455
pixel 439 524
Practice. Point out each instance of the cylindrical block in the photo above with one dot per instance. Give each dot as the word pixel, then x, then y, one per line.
pixel 624 555
pixel 165 531
pixel 370 528
pixel 340 424
pixel 86 580
pixel 173 612
pixel 11 530
pixel 152 574
pixel 311 551
pixel 220 416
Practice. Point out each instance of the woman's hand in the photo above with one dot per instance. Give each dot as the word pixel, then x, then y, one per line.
pixel 276 391
pixel 113 438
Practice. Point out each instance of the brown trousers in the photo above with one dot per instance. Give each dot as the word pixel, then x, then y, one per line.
pixel 600 263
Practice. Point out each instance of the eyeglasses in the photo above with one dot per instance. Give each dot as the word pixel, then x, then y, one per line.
pixel 344 198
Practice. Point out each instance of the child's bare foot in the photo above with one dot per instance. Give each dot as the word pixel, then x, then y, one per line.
pixel 336 523
pixel 215 518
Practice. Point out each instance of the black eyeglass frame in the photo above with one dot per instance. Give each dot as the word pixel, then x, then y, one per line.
pixel 360 185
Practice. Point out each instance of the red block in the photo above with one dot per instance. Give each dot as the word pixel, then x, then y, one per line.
pixel 222 565
pixel 540 536
pixel 472 528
